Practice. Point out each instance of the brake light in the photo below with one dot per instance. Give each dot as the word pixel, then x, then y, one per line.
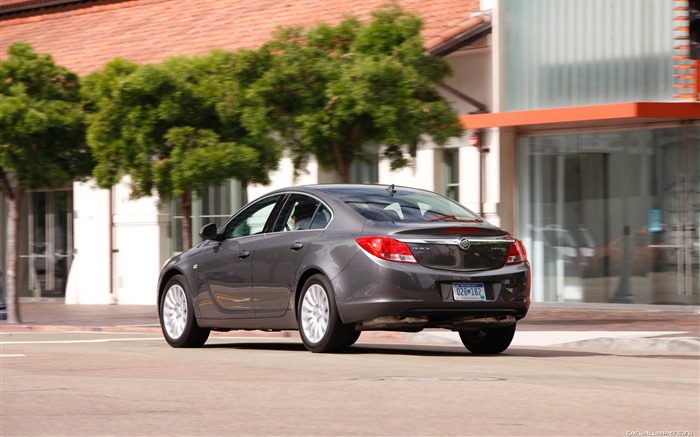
pixel 516 253
pixel 387 248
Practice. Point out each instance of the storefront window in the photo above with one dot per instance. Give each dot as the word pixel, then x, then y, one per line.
pixel 450 173
pixel 613 216
pixel 214 205
pixel 365 168
pixel 46 243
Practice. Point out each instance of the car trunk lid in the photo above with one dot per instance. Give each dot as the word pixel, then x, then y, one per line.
pixel 458 248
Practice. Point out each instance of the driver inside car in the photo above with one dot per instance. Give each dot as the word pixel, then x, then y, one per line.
pixel 301 217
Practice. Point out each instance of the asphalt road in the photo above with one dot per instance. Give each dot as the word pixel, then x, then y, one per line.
pixel 130 383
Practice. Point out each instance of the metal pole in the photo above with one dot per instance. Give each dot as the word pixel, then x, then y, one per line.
pixel 622 292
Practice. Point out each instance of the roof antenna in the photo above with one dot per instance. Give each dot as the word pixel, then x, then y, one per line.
pixel 391 190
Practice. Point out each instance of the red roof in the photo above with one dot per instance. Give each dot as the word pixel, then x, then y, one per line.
pixel 84 36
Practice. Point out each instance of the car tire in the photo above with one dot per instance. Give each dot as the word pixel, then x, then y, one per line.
pixel 488 341
pixel 352 338
pixel 320 327
pixel 176 316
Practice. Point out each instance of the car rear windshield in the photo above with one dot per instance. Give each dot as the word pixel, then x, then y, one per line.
pixel 411 207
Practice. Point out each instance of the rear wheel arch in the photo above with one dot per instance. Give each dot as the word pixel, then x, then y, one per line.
pixel 320 326
pixel 300 285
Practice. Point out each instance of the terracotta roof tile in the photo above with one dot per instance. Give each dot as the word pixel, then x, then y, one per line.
pixel 4 4
pixel 84 37
pixel 452 32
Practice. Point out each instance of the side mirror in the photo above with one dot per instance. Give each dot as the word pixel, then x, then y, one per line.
pixel 208 231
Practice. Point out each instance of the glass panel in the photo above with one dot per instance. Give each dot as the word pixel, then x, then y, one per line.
pixel 215 205
pixel 613 217
pixel 568 53
pixel 675 223
pixel 39 245
pixel 218 203
pixel 31 269
pixel 46 245
pixel 252 220
pixel 410 207
pixel 555 219
pixel 297 213
pixel 450 173
pixel 365 168
pixel 62 240
pixel 321 218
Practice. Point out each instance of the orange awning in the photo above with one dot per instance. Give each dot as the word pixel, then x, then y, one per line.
pixel 615 114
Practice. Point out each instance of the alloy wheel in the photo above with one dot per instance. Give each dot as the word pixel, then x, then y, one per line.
pixel 315 313
pixel 175 311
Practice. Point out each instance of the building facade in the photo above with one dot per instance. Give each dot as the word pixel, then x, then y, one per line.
pixel 608 147
pixel 588 140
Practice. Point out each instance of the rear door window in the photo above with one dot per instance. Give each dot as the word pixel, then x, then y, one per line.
pixel 302 212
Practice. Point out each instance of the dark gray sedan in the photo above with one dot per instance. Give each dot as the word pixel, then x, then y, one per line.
pixel 334 260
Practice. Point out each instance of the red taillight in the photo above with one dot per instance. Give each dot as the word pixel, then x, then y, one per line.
pixel 387 248
pixel 516 253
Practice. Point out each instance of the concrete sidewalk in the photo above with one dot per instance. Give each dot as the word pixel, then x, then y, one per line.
pixel 606 326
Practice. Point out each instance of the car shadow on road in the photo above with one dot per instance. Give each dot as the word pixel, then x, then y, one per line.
pixel 440 350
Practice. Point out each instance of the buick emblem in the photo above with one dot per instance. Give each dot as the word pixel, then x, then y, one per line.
pixel 464 243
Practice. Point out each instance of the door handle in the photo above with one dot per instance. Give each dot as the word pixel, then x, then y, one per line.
pixel 296 246
pixel 244 254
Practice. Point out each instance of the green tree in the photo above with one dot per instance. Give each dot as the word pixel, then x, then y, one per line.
pixel 158 124
pixel 42 137
pixel 331 91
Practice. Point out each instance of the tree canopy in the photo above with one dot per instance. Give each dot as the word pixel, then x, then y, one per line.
pixel 41 123
pixel 42 139
pixel 158 123
pixel 331 91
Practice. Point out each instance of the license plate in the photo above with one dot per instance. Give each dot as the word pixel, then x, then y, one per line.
pixel 469 292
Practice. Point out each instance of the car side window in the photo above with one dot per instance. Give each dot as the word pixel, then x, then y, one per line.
pixel 252 220
pixel 300 213
pixel 321 219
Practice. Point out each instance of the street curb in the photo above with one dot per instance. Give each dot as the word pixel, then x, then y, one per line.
pixel 675 344
pixel 660 344
pixel 666 344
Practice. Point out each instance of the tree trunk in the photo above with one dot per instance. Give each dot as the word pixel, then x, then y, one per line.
pixel 13 223
pixel 185 201
pixel 344 171
pixel 341 165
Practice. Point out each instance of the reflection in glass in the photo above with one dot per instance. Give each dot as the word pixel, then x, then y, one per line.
pixel 613 216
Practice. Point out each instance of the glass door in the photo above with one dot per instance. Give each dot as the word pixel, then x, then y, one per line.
pixel 47 244
pixel 676 223
pixel 613 216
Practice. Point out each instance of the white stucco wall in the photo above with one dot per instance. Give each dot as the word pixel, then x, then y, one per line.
pixel 284 177
pixel 88 279
pixel 138 247
pixel 140 243
pixel 472 75
pixel 420 173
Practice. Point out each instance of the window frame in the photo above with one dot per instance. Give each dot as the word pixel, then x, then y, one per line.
pixel 246 213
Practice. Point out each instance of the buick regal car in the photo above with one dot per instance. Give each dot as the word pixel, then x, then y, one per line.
pixel 332 261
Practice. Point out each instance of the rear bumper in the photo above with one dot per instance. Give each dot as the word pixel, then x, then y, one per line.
pixel 379 294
